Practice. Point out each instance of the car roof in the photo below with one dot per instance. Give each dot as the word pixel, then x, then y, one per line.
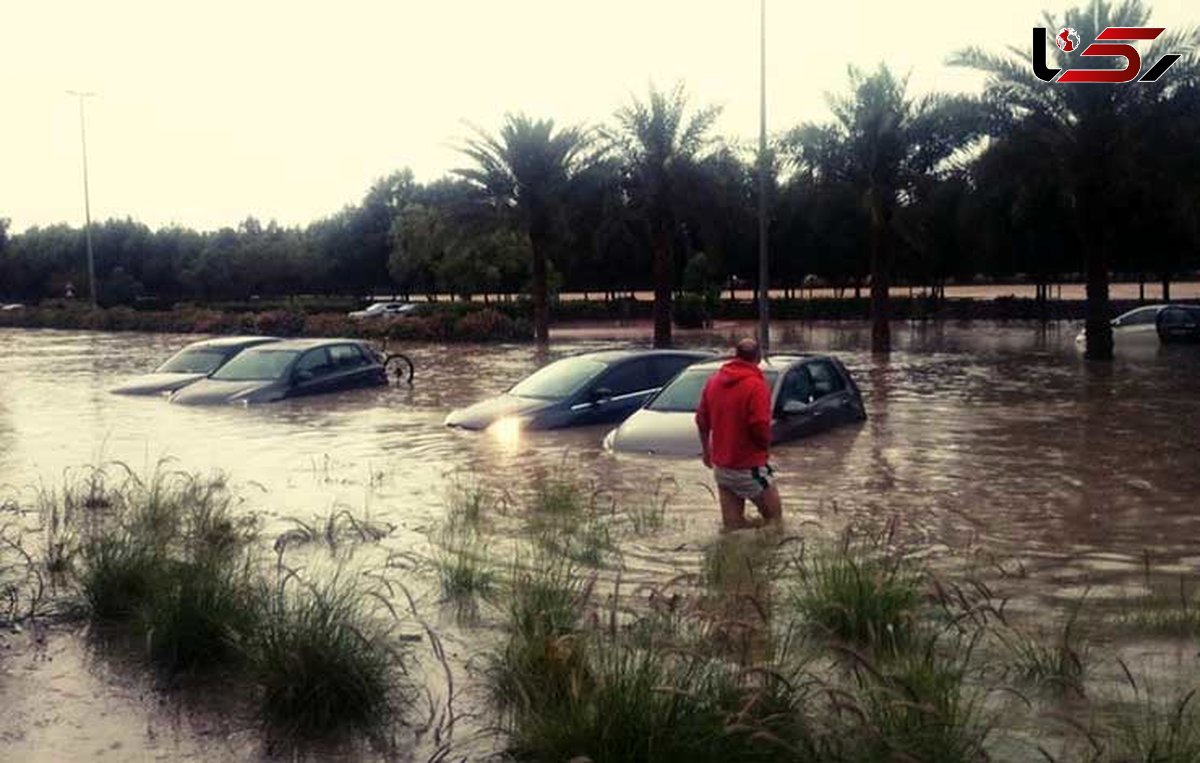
pixel 225 342
pixel 771 361
pixel 296 345
pixel 616 355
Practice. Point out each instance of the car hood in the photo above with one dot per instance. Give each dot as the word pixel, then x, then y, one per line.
pixel 665 433
pixel 486 412
pixel 155 384
pixel 214 391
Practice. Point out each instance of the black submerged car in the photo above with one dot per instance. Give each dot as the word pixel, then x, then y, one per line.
pixel 191 364
pixel 289 368
pixel 592 388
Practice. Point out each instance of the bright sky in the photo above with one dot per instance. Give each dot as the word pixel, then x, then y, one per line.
pixel 208 112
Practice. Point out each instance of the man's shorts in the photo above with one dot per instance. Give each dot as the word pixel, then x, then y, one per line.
pixel 745 483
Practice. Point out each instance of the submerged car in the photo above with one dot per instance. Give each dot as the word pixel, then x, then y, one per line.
pixel 385 310
pixel 1153 323
pixel 809 393
pixel 289 368
pixel 592 388
pixel 191 364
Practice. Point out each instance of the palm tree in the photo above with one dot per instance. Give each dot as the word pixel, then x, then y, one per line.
pixel 660 144
pixel 523 173
pixel 883 144
pixel 1088 137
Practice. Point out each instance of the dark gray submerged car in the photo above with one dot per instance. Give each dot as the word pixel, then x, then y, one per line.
pixel 591 388
pixel 289 368
pixel 190 364
pixel 809 393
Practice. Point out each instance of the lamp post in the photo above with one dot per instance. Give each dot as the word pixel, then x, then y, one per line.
pixel 764 325
pixel 87 208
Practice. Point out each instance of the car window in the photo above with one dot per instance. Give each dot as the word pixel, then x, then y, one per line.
pixel 683 394
pixel 193 362
pixel 256 365
pixel 664 368
pixel 825 378
pixel 630 376
pixel 797 387
pixel 560 379
pixel 316 362
pixel 1140 317
pixel 1179 316
pixel 347 356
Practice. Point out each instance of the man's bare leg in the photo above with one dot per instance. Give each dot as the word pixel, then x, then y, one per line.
pixel 770 505
pixel 733 509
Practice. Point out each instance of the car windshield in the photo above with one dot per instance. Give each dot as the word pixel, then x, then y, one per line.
pixel 193 362
pixel 257 365
pixel 683 394
pixel 559 379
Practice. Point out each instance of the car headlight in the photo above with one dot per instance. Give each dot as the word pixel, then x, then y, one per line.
pixel 507 430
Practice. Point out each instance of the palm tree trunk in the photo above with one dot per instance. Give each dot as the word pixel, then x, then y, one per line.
pixel 1099 329
pixel 662 288
pixel 541 312
pixel 881 333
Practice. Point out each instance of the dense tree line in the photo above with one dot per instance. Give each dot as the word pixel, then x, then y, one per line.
pixel 1031 179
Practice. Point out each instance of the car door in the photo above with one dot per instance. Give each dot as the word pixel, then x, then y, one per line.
pixel 313 373
pixel 352 368
pixel 616 393
pixel 834 401
pixel 795 411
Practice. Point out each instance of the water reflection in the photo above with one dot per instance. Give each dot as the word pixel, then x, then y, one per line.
pixel 997 437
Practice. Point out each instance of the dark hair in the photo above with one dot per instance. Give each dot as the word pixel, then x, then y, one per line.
pixel 747 350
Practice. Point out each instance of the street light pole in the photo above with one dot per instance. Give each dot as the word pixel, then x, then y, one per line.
pixel 87 207
pixel 764 336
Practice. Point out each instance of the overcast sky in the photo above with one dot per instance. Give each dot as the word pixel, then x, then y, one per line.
pixel 208 112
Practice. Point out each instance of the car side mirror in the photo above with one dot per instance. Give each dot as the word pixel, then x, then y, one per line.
pixel 601 395
pixel 303 375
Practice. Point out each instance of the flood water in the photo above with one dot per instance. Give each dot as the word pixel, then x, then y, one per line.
pixel 993 436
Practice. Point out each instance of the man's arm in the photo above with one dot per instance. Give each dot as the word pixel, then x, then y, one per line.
pixel 704 427
pixel 760 416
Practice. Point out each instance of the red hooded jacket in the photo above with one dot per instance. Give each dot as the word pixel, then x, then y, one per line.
pixel 735 409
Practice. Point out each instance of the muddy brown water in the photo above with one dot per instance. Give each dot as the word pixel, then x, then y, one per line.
pixel 988 436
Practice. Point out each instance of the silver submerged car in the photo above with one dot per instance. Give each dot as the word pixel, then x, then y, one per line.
pixel 190 364
pixel 809 393
pixel 289 368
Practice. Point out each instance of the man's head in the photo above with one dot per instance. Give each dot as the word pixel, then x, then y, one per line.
pixel 747 349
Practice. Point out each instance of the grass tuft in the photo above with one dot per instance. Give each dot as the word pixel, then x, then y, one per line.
pixel 859 594
pixel 326 661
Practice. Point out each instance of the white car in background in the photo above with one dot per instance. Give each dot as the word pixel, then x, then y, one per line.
pixel 1152 324
pixel 385 310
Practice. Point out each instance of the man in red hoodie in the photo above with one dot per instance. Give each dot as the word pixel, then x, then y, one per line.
pixel 734 419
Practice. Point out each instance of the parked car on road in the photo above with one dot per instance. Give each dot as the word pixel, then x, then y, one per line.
pixel 1153 323
pixel 592 388
pixel 385 310
pixel 809 393
pixel 289 368
pixel 191 364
